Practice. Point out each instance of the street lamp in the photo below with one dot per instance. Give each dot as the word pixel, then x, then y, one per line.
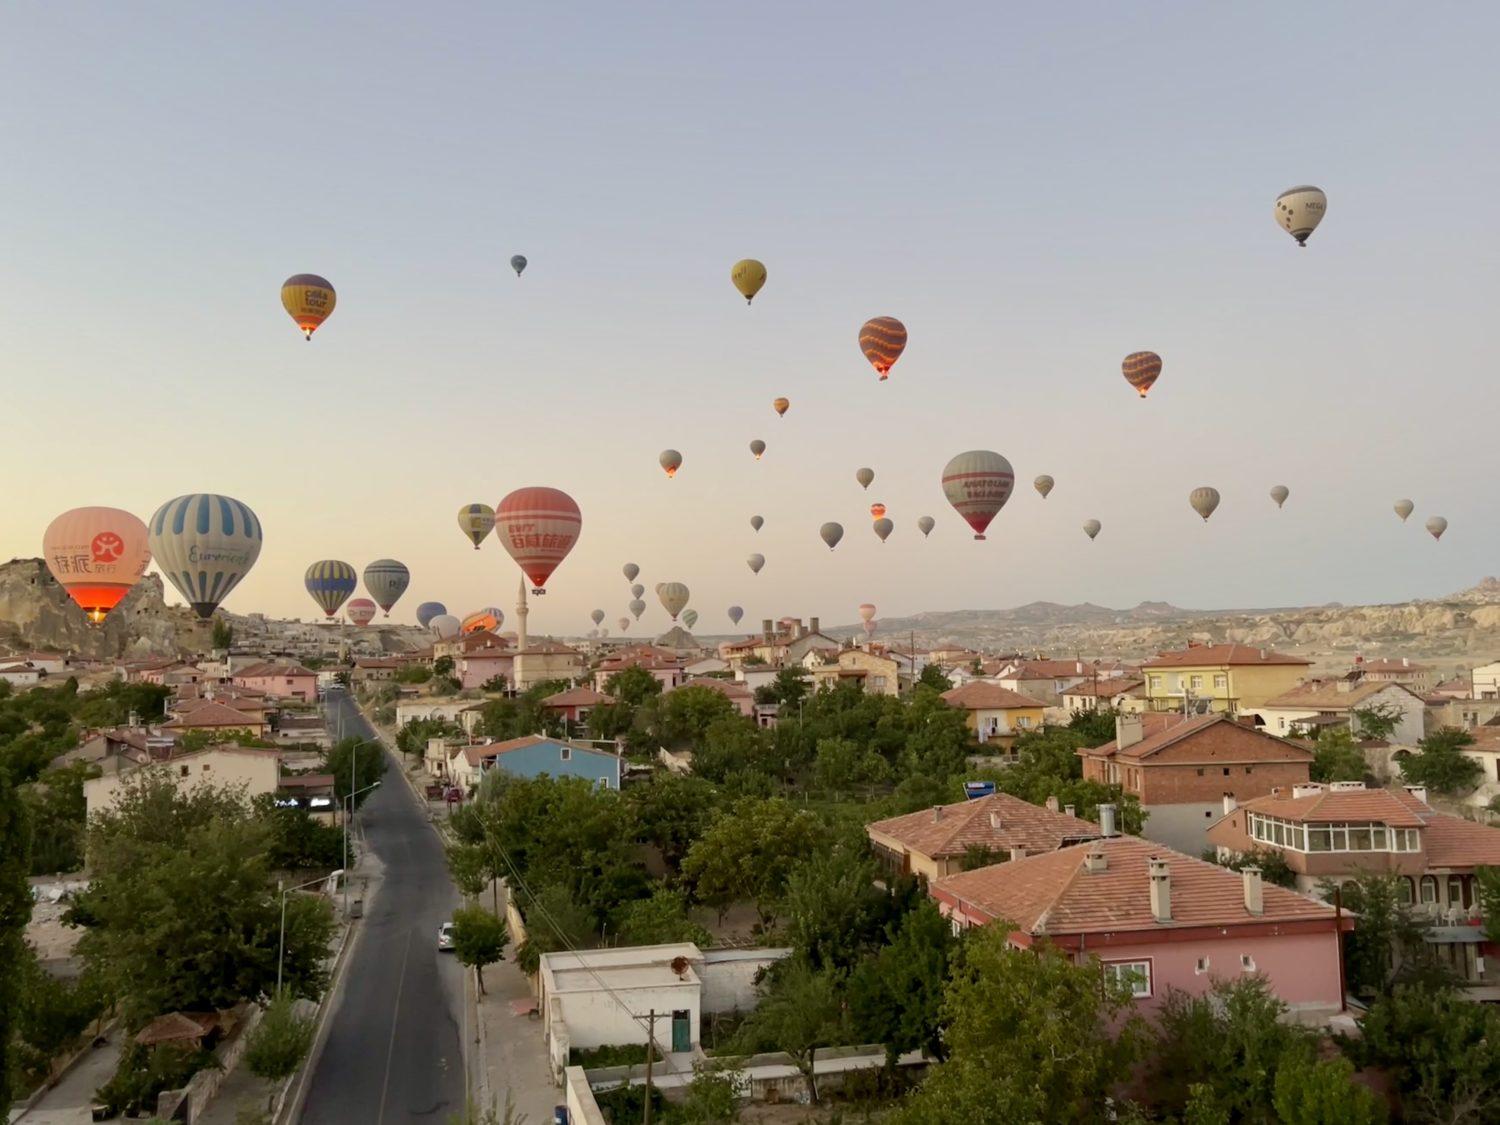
pixel 348 812
pixel 281 941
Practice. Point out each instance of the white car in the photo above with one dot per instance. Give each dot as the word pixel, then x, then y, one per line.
pixel 445 938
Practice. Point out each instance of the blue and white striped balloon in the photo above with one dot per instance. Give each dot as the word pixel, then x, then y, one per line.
pixel 204 544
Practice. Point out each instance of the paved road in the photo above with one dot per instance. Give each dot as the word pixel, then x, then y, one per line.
pixel 394 1051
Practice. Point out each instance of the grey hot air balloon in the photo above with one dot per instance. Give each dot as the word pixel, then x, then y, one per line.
pixel 658 587
pixel 690 617
pixel 670 461
pixel 1204 500
pixel 757 447
pixel 673 597
pixel 735 613
pixel 1436 526
pixel 1043 484
pixel 925 525
pixel 630 570
pixel 637 607
pixel 623 623
pixel 597 617
pixel 1405 508
pixel 518 263
pixel 1279 494
pixel 444 626
pixel 204 544
pixel 757 522
pixel 1299 210
pixel 865 477
pixel 756 562
pixel 386 580
pixel 637 591
pixel 831 533
pixel 1091 528
pixel 883 528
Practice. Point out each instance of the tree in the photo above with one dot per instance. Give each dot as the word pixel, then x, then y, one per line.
pixel 553 921
pixel 223 634
pixel 51 1014
pixel 932 676
pixel 790 687
pixel 414 674
pixel 1310 1092
pixel 1272 863
pixel 279 1042
pixel 297 841
pixel 1487 887
pixel 659 920
pixel 632 686
pixel 442 666
pixel 842 764
pixel 1337 757
pixel 469 868
pixel 495 684
pixel 683 716
pixel 748 853
pixel 1029 1039
pixel 479 939
pixel 1441 766
pixel 1388 946
pixel 1096 725
pixel 365 758
pixel 832 907
pixel 800 1012
pixel 671 810
pixel 712 1098
pixel 896 993
pixel 1377 721
pixel 15 912
pixel 57 811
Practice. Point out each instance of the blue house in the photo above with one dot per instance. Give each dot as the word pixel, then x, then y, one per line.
pixel 538 754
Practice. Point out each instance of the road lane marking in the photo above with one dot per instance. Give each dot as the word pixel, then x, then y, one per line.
pixel 390 1051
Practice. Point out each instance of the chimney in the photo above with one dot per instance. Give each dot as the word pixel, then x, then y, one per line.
pixel 1128 730
pixel 1230 804
pixel 1343 686
pixel 1406 662
pixel 1095 862
pixel 766 628
pixel 1418 791
pixel 1069 809
pixel 1307 789
pixel 1161 890
pixel 812 624
pixel 1078 667
pixel 1017 853
pixel 1052 803
pixel 1107 821
pixel 994 820
pixel 1255 894
pixel 1262 654
pixel 937 813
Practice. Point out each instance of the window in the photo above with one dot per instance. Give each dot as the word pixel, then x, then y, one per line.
pixel 1429 889
pixel 1155 683
pixel 182 770
pixel 1247 963
pixel 1200 773
pixel 1281 724
pixel 1201 967
pixel 567 753
pixel 1226 771
pixel 1359 838
pixel 1195 682
pixel 1221 680
pixel 1134 975
pixel 1407 889
pixel 1249 770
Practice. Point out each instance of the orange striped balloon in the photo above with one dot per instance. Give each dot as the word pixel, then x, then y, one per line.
pixel 1141 370
pixel 882 339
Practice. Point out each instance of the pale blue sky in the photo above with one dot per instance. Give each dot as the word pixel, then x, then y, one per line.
pixel 1035 191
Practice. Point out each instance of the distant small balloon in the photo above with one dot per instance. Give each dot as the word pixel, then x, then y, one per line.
pixel 597 617
pixel 882 339
pixel 637 607
pixel 673 597
pixel 1091 528
pixel 361 611
pixel 865 477
pixel 866 611
pixel 670 460
pixel 757 447
pixel 883 528
pixel 781 405
pixel 428 610
pixel 869 627
pixel 748 276
pixel 735 613
pixel 638 590
pixel 1043 484
pixel 518 263
pixel 1299 210
pixel 757 522
pixel 755 562
pixel 1141 370
pixel 630 570
pixel 623 623
pixel 877 510
pixel 831 533
pixel 476 521
pixel 925 524
pixel 1404 508
pixel 308 300
pixel 444 626
pixel 1204 501
pixel 1279 493
pixel 690 617
pixel 1436 526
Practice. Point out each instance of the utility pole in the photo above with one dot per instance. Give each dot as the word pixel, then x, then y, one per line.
pixel 650 1053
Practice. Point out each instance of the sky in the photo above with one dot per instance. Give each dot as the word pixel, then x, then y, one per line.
pixel 1034 190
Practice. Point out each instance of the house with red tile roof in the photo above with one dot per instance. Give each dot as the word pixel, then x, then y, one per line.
pixel 1118 693
pixel 1418 677
pixel 734 691
pixel 479 664
pixel 668 670
pixel 1228 677
pixel 574 705
pixel 1180 766
pixel 996 714
pixel 1315 704
pixel 280 681
pixel 937 841
pixel 1157 919
pixel 218 719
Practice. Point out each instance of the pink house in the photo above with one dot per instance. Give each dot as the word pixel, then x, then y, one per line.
pixel 280 681
pixel 1157 919
pixel 477 666
pixel 737 693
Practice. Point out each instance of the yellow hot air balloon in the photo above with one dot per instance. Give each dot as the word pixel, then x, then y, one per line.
pixel 309 300
pixel 781 405
pixel 748 276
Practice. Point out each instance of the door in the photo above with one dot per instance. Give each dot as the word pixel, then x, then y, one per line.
pixel 682 1032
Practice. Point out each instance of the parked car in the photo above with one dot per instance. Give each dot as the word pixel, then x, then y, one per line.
pixel 445 938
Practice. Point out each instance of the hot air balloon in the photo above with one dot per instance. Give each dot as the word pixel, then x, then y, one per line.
pixel 866 477
pixel 386 580
pixel 428 610
pixel 671 461
pixel 637 607
pixel 876 511
pixel 444 626
pixel 674 597
pixel 977 484
pixel 925 524
pixel 1279 493
pixel 735 613
pixel 1204 501
pixel 538 526
pixel 490 619
pixel 476 521
pixel 781 405
pixel 1404 508
pixel 309 300
pixel 1091 528
pixel 748 276
pixel 831 533
pixel 623 623
pixel 883 528
pixel 330 582
pixel 869 627
pixel 1043 484
pixel 361 611
pixel 637 590
pixel 204 544
pixel 1436 526
pixel 866 612
pixel 597 617
pixel 96 555
pixel 1299 210
pixel 518 263
pixel 882 339
pixel 756 523
pixel 630 570
pixel 757 447
pixel 756 562
pixel 658 587
pixel 1141 370
pixel 690 617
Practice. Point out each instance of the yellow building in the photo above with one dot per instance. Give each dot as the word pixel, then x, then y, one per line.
pixel 876 674
pixel 1232 678
pixel 997 714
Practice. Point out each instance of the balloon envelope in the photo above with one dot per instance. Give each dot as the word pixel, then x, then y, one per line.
pixel 1436 526
pixel 865 477
pixel 1204 500
pixel 1404 508
pixel 476 521
pixel 361 611
pixel 205 544
pixel 869 627
pixel 670 460
pixel 674 597
pixel 597 617
pixel 308 300
pixel 876 511
pixel 757 447
pixel 538 526
pixel 1141 370
pixel 1299 210
pixel 491 619
pixel 630 570
pixel 386 580
pixel 1091 528
pixel 831 533
pixel 96 555
pixel 623 623
pixel 756 562
pixel 428 610
pixel 781 405
pixel 883 528
pixel 518 263
pixel 637 607
pixel 748 276
pixel 882 339
pixel 756 523
pixel 866 612
pixel 735 613
pixel 978 483
pixel 1279 493
pixel 1043 484
pixel 637 590
pixel 330 582
pixel 925 524
pixel 443 626
pixel 690 617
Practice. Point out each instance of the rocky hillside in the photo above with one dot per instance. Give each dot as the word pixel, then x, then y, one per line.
pixel 35 614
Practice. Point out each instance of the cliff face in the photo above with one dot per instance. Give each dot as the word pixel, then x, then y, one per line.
pixel 35 614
